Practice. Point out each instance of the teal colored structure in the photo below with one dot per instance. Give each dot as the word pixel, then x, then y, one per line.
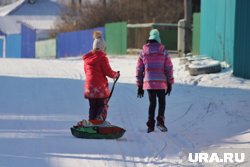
pixel 225 33
pixel 242 39
pixel 13 46
pixel 217 29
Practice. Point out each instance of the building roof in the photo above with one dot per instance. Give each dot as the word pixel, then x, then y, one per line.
pixel 12 24
pixel 44 23
pixel 40 8
pixel 40 16
pixel 5 10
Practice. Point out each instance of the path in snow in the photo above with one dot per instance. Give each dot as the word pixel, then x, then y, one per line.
pixel 41 99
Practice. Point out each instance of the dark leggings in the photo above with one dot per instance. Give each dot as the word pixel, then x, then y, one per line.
pixel 152 94
pixel 98 109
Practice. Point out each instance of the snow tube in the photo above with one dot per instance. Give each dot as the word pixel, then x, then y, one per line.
pixel 205 66
pixel 98 132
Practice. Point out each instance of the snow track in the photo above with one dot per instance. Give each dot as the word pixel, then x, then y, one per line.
pixel 41 99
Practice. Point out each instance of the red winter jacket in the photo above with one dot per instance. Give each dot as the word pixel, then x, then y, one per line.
pixel 96 68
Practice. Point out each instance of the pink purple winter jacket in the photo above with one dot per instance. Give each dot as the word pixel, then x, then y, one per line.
pixel 154 67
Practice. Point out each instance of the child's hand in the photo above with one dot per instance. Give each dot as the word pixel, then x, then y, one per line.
pixel 169 89
pixel 117 74
pixel 140 92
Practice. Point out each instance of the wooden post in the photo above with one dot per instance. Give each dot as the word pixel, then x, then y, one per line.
pixel 188 29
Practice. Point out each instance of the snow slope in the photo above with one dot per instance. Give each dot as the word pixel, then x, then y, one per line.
pixel 41 99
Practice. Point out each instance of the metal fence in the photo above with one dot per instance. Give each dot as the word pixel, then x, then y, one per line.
pixel 217 29
pixel 242 39
pixel 13 46
pixel 139 33
pixel 116 38
pixel 28 41
pixel 75 43
pixel 46 48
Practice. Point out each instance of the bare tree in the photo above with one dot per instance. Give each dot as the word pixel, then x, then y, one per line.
pixel 92 14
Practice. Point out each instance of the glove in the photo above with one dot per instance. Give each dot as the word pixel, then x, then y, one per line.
pixel 169 89
pixel 140 92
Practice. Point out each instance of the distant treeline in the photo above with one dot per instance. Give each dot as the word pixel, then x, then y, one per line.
pixel 89 14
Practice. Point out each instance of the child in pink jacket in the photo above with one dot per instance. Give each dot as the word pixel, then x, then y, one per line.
pixel 154 73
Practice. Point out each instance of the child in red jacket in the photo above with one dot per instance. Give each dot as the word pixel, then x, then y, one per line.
pixel 96 90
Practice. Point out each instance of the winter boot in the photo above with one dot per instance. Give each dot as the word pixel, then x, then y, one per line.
pixel 82 123
pixel 98 120
pixel 160 124
pixel 151 125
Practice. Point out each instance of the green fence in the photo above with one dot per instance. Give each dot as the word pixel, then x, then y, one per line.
pixel 196 34
pixel 137 36
pixel 169 37
pixel 46 48
pixel 139 33
pixel 116 38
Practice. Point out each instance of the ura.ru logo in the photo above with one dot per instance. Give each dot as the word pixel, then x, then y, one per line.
pixel 214 157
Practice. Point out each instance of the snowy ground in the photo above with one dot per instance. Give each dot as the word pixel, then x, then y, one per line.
pixel 41 99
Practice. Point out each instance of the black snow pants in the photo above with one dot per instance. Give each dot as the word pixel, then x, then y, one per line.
pixel 153 94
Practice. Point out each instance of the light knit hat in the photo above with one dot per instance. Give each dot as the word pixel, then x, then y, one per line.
pixel 154 35
pixel 99 44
